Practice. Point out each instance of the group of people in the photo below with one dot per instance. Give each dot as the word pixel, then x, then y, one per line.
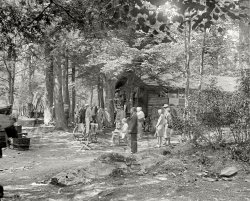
pixel 129 128
pixel 86 115
pixel 132 127
pixel 164 126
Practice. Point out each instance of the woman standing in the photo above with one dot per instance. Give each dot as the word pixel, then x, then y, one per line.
pixel 160 127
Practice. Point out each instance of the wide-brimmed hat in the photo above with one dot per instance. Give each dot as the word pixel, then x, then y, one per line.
pixel 165 105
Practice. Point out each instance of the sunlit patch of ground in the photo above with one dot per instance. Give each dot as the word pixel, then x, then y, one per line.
pixel 25 174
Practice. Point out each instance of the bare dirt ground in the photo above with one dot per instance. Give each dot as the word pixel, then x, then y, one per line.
pixel 25 175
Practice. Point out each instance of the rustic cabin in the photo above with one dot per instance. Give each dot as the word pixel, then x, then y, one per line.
pixel 152 94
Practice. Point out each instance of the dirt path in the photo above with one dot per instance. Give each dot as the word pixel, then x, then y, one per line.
pixel 49 153
pixel 25 173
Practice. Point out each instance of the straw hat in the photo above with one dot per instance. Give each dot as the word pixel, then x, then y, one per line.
pixel 165 105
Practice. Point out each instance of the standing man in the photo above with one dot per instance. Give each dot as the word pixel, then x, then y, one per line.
pixel 165 106
pixel 141 119
pixel 88 117
pixel 82 121
pixel 132 129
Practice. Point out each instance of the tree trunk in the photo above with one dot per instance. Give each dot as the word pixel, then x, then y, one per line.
pixel 91 95
pixel 187 67
pixel 11 79
pixel 202 61
pixel 30 98
pixel 110 94
pixel 49 86
pixel 100 92
pixel 244 47
pixel 59 107
pixel 73 78
pixel 65 80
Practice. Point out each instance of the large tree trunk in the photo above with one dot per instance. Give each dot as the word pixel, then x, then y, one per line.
pixel 110 94
pixel 65 81
pixel 187 68
pixel 244 47
pixel 59 107
pixel 73 78
pixel 100 92
pixel 49 86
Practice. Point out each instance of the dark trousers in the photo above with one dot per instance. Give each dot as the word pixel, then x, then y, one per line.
pixel 133 143
pixel 1 192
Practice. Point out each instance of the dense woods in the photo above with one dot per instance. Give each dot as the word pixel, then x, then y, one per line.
pixel 56 54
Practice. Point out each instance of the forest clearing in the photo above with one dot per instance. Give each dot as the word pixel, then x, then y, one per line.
pixel 124 100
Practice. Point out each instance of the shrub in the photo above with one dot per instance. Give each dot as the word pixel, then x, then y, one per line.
pixel 214 110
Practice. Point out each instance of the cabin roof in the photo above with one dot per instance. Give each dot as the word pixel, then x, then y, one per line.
pixel 225 83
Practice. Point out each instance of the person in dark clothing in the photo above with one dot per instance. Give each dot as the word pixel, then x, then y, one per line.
pixel 1 191
pixel 82 113
pixel 94 110
pixel 132 129
pixel 11 132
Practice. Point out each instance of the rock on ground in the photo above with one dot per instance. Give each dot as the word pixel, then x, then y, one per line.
pixel 229 171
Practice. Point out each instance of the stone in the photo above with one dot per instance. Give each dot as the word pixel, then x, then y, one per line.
pixel 229 171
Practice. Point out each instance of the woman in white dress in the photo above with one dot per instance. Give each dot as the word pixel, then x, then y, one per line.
pixel 160 127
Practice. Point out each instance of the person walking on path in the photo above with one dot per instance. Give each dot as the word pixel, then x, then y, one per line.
pixel 88 118
pixel 132 130
pixel 141 119
pixel 160 127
